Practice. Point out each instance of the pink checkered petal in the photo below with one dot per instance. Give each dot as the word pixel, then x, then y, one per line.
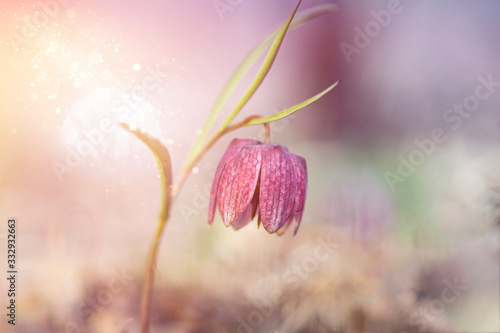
pixel 244 218
pixel 233 148
pixel 278 187
pixel 238 182
pixel 300 197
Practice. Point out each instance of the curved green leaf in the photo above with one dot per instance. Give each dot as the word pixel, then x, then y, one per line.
pixel 163 161
pixel 249 61
pixel 289 111
pixel 263 71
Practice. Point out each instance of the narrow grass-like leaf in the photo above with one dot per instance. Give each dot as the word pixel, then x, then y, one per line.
pixel 263 71
pixel 163 161
pixel 248 62
pixel 289 111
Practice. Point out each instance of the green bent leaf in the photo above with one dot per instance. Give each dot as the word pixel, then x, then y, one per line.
pixel 248 62
pixel 263 71
pixel 163 161
pixel 289 111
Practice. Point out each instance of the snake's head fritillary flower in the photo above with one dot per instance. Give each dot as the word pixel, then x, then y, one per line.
pixel 259 178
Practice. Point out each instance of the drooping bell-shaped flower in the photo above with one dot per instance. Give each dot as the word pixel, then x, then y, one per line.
pixel 259 178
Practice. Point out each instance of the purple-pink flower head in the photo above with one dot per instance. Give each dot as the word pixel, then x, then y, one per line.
pixel 264 178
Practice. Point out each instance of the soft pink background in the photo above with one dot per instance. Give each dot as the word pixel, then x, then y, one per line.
pixel 81 225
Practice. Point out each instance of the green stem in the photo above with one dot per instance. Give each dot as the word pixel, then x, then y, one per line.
pixel 267 138
pixel 148 283
pixel 187 169
pixel 162 157
pixel 167 197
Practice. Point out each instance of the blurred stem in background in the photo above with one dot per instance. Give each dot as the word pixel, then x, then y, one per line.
pixel 169 191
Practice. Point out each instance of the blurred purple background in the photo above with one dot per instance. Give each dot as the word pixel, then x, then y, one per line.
pixel 76 75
